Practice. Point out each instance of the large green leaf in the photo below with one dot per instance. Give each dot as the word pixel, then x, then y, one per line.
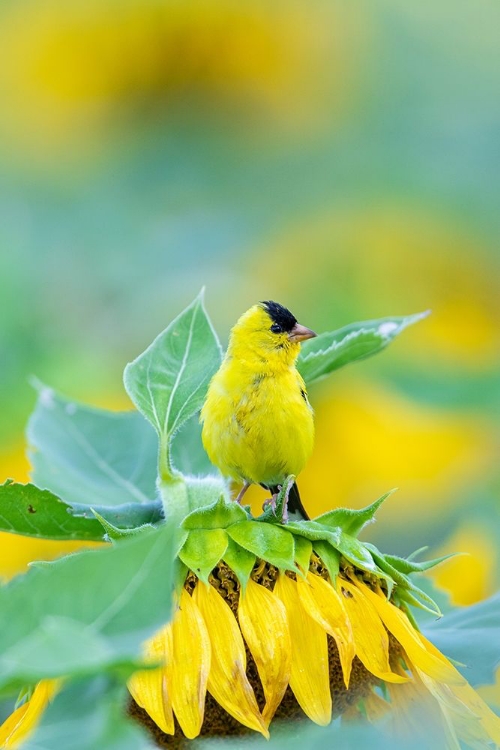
pixel 168 381
pixel 470 636
pixel 26 509
pixel 86 715
pixel 188 453
pixel 87 612
pixel 330 350
pixel 91 456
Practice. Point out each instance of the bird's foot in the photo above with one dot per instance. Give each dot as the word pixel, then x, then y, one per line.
pixel 270 503
pixel 280 499
pixel 239 497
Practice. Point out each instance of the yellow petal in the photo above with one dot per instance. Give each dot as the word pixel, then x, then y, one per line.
pixel 227 681
pixel 464 709
pixel 190 666
pixel 24 719
pixel 416 715
pixel 264 625
pixel 151 688
pixel 466 693
pixel 324 605
pixel 370 636
pixel 398 624
pixel 310 677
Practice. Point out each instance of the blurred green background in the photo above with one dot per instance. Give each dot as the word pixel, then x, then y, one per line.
pixel 341 158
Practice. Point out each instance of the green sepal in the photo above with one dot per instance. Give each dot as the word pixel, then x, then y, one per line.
pixel 179 575
pixel 407 566
pixel 202 550
pixel 269 542
pixel 275 515
pixel 356 553
pixel 240 560
pixel 352 521
pixel 329 557
pixel 218 515
pixel 112 533
pixel 303 551
pixel 314 531
pixel 24 695
pixel 410 597
pixel 406 588
pixel 203 492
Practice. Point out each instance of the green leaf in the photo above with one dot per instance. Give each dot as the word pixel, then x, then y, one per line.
pixel 240 561
pixel 219 515
pixel 267 541
pixel 329 351
pixel 188 453
pixel 202 550
pixel 86 715
pixel 469 635
pixel 352 521
pixel 88 612
pixel 28 510
pixel 406 588
pixel 168 382
pixel 91 456
pixel 329 556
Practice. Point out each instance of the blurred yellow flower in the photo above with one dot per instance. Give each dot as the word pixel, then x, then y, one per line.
pixel 395 257
pixel 68 70
pixel 471 576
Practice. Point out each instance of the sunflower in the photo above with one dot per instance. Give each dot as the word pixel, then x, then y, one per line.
pixel 327 633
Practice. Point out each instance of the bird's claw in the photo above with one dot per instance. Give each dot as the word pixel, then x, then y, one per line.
pixel 272 501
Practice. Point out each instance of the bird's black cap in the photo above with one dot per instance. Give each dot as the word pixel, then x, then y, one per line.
pixel 280 315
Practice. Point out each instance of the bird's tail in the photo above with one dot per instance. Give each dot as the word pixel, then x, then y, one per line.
pixel 295 503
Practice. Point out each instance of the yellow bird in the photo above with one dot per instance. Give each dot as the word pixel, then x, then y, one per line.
pixel 258 425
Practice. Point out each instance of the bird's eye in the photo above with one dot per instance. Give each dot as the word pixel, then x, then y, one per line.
pixel 276 328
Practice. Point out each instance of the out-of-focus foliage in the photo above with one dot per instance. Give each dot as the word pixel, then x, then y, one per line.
pixel 337 157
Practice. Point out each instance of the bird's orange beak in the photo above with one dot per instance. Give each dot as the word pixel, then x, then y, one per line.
pixel 301 333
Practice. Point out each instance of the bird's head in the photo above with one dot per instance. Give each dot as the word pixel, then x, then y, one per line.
pixel 270 333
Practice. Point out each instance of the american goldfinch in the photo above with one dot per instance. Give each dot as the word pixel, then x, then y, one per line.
pixel 258 425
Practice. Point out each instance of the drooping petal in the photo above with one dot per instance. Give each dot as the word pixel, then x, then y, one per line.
pixel 309 677
pixel 190 666
pixel 227 681
pixel 398 624
pixel 264 625
pixel 324 605
pixel 370 636
pixel 416 715
pixel 463 714
pixel 24 719
pixel 151 688
pixel 469 697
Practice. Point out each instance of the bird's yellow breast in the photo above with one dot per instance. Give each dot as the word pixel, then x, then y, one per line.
pixel 257 425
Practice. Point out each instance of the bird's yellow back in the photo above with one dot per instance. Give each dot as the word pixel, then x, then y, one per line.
pixel 257 422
